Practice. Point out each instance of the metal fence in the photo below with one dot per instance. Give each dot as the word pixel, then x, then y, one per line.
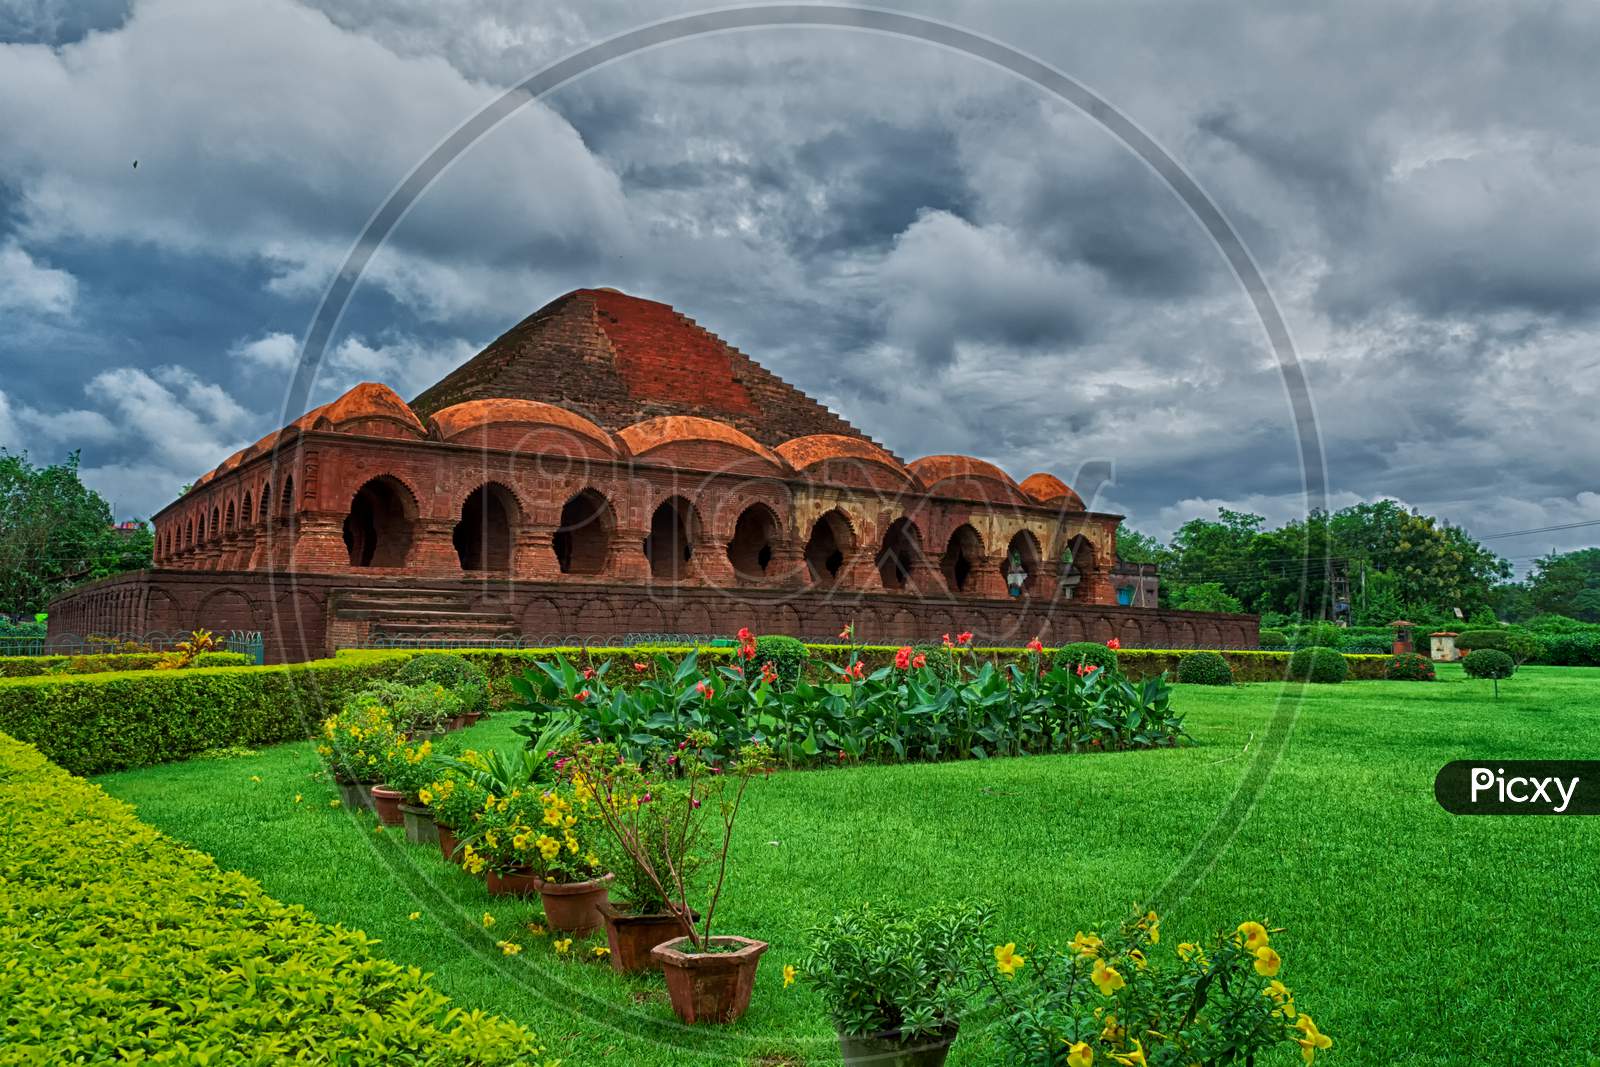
pixel 251 643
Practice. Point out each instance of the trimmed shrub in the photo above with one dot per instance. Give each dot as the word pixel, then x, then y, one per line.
pixel 1092 653
pixel 1468 640
pixel 1524 646
pixel 1322 665
pixel 93 723
pixel 1204 668
pixel 1273 639
pixel 1575 649
pixel 1488 663
pixel 129 945
pixel 466 678
pixel 788 655
pixel 1411 667
pixel 102 662
pixel 1320 635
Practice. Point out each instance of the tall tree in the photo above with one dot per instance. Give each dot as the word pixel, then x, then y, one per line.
pixel 1567 583
pixel 56 532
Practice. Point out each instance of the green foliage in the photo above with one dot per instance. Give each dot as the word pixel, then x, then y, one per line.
pixel 128 947
pixel 1205 596
pixel 1136 547
pixel 1204 668
pixel 453 672
pixel 1467 640
pixel 787 654
pixel 1567 584
pixel 1488 663
pixel 1575 649
pixel 1274 639
pixel 883 969
pixel 1410 667
pixel 357 742
pixel 100 663
pixel 1320 635
pixel 421 708
pixel 1091 653
pixel 1315 664
pixel 55 533
pixel 93 723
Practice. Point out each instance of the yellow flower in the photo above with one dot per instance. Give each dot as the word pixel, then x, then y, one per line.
pixel 1080 1055
pixel 488 920
pixel 1112 1032
pixel 1152 923
pixel 1281 996
pixel 378 829
pixel 1106 979
pixel 1132 1059
pixel 425 795
pixel 334 803
pixel 601 951
pixel 1086 944
pixel 788 975
pixel 1006 960
pixel 1254 934
pixel 414 916
pixel 1138 958
pixel 256 778
pixel 510 948
pixel 297 798
pixel 1186 950
pixel 562 945
pixel 1267 962
pixel 536 930
pixel 1313 1040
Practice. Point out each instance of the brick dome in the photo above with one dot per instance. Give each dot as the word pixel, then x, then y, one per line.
pixel 645 437
pixel 369 401
pixel 1048 489
pixel 956 476
pixel 803 453
pixel 458 420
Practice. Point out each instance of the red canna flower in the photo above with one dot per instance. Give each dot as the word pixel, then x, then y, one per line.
pixel 1113 644
pixel 848 632
pixel 641 667
pixel 902 658
pixel 583 694
pixel 588 673
pixel 965 638
pixel 1036 645
pixel 919 661
pixel 745 634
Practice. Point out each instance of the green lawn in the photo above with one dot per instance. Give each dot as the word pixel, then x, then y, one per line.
pixel 1414 937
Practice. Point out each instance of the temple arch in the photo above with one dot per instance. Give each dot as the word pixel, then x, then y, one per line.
pixel 244 510
pixel 231 518
pixel 487 529
pixel 829 547
pixel 216 523
pixel 378 531
pixel 1081 569
pixel 670 544
pixel 755 539
pixel 1024 549
pixel 963 555
pixel 583 534
pixel 901 551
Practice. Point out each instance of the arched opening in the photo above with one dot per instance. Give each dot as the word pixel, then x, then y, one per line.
pixel 200 529
pixel 244 510
pixel 902 547
pixel 286 506
pixel 216 523
pixel 266 501
pixel 755 535
pixel 1078 568
pixel 483 537
pixel 188 534
pixel 584 534
pixel 829 546
pixel 670 545
pixel 1023 554
pixel 229 527
pixel 378 530
pixel 962 557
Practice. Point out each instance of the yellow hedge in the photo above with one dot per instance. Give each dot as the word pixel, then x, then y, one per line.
pixel 119 945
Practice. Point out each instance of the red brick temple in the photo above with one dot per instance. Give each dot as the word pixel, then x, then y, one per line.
pixel 608 469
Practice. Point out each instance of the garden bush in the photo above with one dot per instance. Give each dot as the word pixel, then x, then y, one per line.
pixel 1324 665
pixel 1273 639
pixel 1204 668
pixel 102 662
pixel 1410 667
pixel 1091 653
pixel 787 654
pixel 1468 640
pixel 1320 635
pixel 1572 649
pixel 1488 663
pixel 124 946
pixel 466 678
pixel 93 723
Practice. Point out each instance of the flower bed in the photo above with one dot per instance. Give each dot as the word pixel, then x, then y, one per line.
pixel 127 946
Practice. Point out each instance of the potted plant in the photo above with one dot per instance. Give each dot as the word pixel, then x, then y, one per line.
pixel 354 743
pixel 539 840
pixel 411 767
pixel 456 801
pixel 642 918
pixel 896 982
pixel 709 977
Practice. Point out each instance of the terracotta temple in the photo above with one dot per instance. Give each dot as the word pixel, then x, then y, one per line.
pixel 608 469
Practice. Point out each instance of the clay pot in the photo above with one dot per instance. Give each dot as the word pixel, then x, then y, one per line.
pixel 355 795
pixel 518 883
pixel 632 936
pixel 890 1049
pixel 386 802
pixel 472 717
pixel 573 908
pixel 456 722
pixel 420 829
pixel 710 987
pixel 447 844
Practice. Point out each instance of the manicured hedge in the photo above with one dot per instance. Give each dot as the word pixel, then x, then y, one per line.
pixel 99 663
pixel 93 723
pixel 123 946
pixel 1204 668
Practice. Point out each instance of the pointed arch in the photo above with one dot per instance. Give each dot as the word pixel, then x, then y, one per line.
pixel 963 555
pixel 486 531
pixel 829 547
pixel 900 553
pixel 583 534
pixel 755 539
pixel 674 527
pixel 1024 551
pixel 380 526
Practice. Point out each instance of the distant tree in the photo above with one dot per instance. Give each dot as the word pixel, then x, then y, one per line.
pixel 1136 547
pixel 1206 596
pixel 55 532
pixel 1567 583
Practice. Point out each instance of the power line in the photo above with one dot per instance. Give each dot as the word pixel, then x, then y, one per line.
pixel 1543 529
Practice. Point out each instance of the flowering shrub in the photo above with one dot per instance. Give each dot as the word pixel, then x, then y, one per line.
pixel 357 742
pixel 550 832
pixel 410 767
pixel 1410 667
pixel 902 711
pixel 415 708
pixel 889 971
pixel 433 669
pixel 454 797
pixel 187 651
pixel 1086 653
pixel 1124 999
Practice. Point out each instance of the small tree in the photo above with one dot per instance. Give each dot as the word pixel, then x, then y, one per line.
pixel 1489 663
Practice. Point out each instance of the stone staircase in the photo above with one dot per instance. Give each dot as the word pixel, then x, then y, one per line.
pixel 358 615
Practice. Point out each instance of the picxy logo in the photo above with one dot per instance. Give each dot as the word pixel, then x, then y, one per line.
pixel 1519 787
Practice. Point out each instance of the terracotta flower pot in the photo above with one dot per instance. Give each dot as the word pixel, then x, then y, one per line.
pixel 447 844
pixel 420 829
pixel 710 987
pixel 386 802
pixel 632 936
pixel 472 717
pixel 574 908
pixel 355 795
pixel 516 883
pixel 891 1049
pixel 456 722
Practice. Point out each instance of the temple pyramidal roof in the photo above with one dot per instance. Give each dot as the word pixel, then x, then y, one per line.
pixel 618 359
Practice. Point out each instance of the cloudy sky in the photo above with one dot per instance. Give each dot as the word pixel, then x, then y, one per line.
pixel 949 258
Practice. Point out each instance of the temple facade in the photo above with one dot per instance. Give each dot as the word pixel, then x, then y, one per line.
pixel 606 469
